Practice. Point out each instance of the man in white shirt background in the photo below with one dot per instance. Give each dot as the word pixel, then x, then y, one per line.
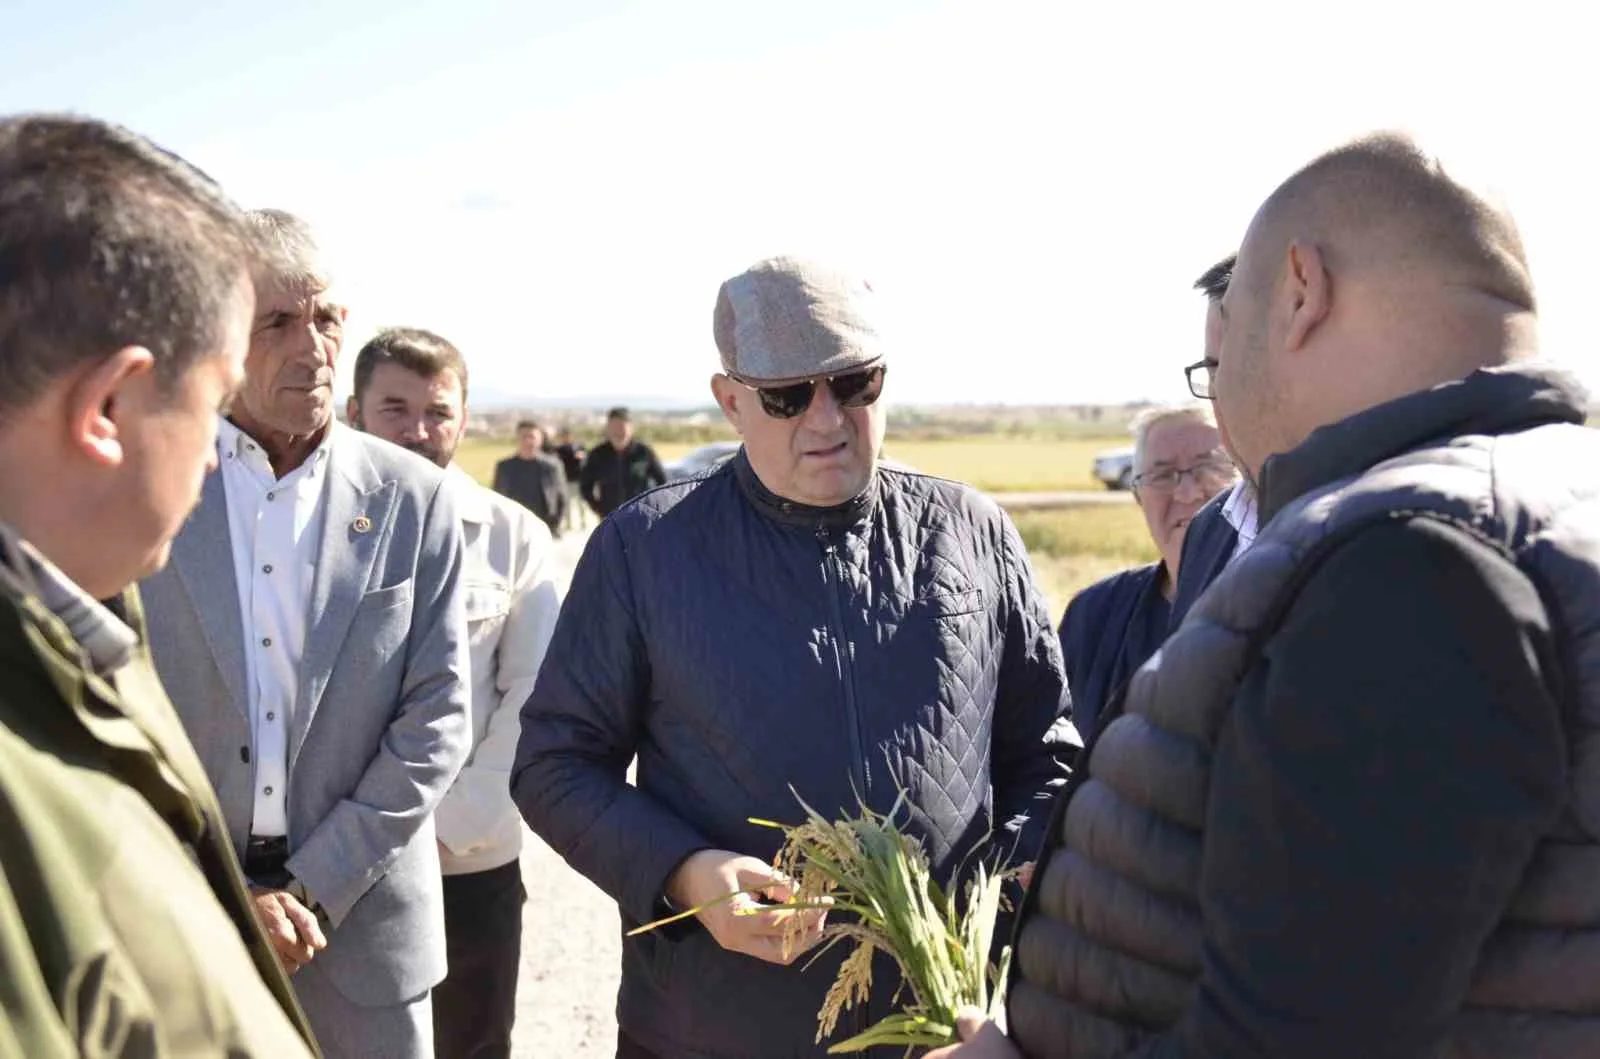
pixel 311 630
pixel 411 389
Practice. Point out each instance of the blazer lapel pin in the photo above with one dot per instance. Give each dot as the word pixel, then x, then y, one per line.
pixel 362 524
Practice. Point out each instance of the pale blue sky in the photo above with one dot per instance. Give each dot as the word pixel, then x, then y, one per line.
pixel 1032 186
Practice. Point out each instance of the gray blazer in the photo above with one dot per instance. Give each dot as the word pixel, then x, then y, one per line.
pixel 381 724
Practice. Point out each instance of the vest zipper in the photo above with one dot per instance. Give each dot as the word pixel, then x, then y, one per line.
pixel 833 577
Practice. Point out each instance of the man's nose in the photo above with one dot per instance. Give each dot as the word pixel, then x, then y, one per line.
pixel 313 347
pixel 1188 490
pixel 824 413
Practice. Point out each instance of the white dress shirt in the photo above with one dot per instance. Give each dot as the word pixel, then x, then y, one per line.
pixel 1240 512
pixel 513 587
pixel 275 526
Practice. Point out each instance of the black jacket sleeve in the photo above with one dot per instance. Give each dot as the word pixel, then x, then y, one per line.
pixel 580 729
pixel 589 477
pixel 1034 741
pixel 656 474
pixel 1377 794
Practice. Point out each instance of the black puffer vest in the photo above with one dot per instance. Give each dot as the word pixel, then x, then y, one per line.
pixel 1109 946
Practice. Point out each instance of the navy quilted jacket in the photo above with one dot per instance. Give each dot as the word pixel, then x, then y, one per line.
pixel 738 644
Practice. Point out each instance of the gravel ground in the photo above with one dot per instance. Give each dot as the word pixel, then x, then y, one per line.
pixel 571 952
pixel 571 948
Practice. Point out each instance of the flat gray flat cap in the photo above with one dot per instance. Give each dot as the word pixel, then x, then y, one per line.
pixel 783 320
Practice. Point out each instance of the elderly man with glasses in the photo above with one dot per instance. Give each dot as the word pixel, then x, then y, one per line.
pixel 1111 627
pixel 802 620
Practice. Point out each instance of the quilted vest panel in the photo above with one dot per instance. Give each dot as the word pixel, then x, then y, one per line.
pixel 1112 951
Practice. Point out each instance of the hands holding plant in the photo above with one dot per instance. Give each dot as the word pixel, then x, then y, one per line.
pixel 980 1039
pixel 742 923
pixel 879 876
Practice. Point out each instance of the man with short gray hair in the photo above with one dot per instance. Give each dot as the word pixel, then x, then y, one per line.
pixel 1111 627
pixel 801 616
pixel 312 631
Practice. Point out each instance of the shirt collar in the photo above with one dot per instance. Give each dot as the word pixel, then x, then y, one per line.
pixel 234 443
pixel 106 640
pixel 1239 510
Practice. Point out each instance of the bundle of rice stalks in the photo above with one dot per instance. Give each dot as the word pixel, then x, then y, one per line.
pixel 875 882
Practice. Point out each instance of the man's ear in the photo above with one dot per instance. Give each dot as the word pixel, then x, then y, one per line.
pixel 726 392
pixel 103 400
pixel 1307 291
pixel 352 411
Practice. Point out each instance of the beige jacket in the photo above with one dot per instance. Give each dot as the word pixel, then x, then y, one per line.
pixel 514 588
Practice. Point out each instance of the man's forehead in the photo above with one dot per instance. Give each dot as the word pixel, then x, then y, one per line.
pixel 291 295
pixel 1179 438
pixel 389 375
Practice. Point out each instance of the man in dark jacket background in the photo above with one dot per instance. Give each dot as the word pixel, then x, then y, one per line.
pixel 1350 809
pixel 800 616
pixel 1111 627
pixel 533 478
pixel 619 468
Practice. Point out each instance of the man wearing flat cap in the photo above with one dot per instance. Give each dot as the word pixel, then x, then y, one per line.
pixel 801 617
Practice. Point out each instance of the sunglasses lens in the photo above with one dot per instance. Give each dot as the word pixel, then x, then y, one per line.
pixel 786 402
pixel 858 389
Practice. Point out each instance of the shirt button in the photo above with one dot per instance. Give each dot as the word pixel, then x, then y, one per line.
pixel 271 716
pixel 272 496
pixel 266 790
pixel 267 569
pixel 266 641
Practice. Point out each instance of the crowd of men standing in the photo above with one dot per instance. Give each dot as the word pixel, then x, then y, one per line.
pixel 560 482
pixel 277 694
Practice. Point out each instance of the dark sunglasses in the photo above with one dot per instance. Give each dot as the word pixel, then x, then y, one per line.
pixel 858 389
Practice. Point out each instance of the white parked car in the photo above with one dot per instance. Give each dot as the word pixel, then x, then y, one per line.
pixel 1114 468
pixel 698 461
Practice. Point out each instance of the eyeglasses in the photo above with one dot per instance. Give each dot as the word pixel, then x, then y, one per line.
pixel 1199 376
pixel 857 389
pixel 1211 474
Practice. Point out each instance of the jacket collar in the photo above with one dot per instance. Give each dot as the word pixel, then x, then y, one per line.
pixel 107 642
pixel 793 513
pixel 1489 401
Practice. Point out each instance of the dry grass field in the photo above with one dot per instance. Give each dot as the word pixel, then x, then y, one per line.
pixel 1073 547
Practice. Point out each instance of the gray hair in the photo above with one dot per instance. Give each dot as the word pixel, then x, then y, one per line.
pixel 1150 418
pixel 290 254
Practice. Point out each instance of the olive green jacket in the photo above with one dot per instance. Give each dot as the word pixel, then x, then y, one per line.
pixel 125 926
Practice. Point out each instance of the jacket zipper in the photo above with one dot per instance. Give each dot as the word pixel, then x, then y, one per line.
pixel 833 575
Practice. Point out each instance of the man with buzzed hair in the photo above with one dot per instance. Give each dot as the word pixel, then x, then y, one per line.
pixel 1349 808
